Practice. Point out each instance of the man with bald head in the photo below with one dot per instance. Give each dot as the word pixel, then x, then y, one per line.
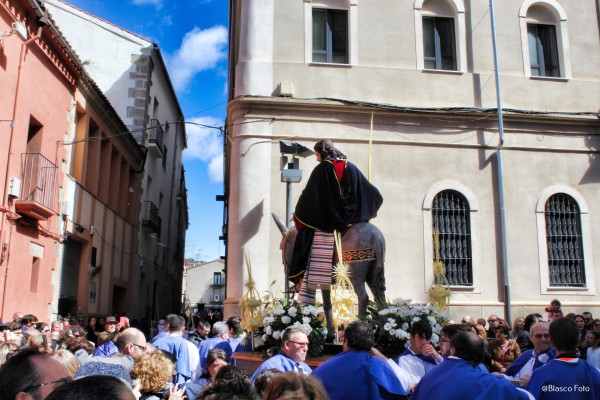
pixel 530 360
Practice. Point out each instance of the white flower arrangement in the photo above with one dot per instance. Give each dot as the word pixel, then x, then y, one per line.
pixel 279 315
pixel 393 323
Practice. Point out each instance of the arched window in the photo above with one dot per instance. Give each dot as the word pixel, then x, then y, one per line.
pixel 544 39
pixel 451 218
pixel 564 241
pixel 440 33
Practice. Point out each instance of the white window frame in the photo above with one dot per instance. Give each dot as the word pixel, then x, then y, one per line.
pixel 562 37
pixel 351 6
pixel 460 35
pixel 586 233
pixel 428 249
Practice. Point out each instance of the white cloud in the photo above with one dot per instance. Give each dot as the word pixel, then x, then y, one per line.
pixel 206 144
pixel 200 50
pixel 155 3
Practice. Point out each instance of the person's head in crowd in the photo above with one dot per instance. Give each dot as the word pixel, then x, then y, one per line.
pixel 131 342
pixel 67 359
pixel 215 360
pixel 593 339
pixel 203 328
pixel 502 334
pixel 229 383
pixel 177 325
pixel 92 322
pixel 587 316
pixel 580 321
pixel 16 332
pixel 540 337
pixel 43 327
pixel 5 350
pixel 494 322
pixel 469 347
pixel 29 374
pixel 481 332
pixel 294 343
pixel 530 320
pixel 154 371
pixel 110 324
pixel 220 329
pixel 263 378
pixel 29 321
pixel 235 326
pixel 564 335
pixel 518 324
pixel 482 322
pixel 41 343
pixel 56 327
pixel 93 368
pixel 80 343
pixel 596 325
pixel 420 335
pixel 358 336
pixel 292 385
pixel 571 315
pixel 17 316
pixel 93 388
pixel 466 319
pixel 446 335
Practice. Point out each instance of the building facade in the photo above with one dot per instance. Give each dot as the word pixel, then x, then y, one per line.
pixel 135 80
pixel 203 287
pixel 515 207
pixel 66 234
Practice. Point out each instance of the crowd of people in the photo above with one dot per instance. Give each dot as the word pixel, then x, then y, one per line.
pixel 552 357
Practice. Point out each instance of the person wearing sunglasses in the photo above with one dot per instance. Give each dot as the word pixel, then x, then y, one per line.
pixel 542 352
pixel 30 374
pixel 294 347
pixel 493 324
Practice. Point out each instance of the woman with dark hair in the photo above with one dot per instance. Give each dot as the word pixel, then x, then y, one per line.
pixel 216 359
pixel 582 344
pixel 504 351
pixel 230 382
pixel 95 387
pixel 336 196
pixel 90 331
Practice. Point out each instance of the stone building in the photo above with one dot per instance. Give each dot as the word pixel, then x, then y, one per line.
pixel 417 78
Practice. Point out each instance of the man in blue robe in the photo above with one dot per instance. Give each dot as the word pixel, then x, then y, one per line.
pixel 566 377
pixel 421 357
pixel 459 378
pixel 294 346
pixel 175 344
pixel 165 328
pixel 355 374
pixel 220 332
pixel 233 342
pixel 532 359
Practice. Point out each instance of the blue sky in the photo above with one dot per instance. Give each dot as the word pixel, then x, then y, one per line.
pixel 192 35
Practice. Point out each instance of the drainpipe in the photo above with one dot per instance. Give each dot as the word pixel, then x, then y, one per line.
pixel 507 310
pixel 10 141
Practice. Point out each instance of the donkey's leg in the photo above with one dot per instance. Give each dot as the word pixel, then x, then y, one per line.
pixel 358 275
pixel 328 309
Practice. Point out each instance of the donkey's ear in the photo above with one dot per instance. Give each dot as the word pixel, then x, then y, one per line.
pixel 280 224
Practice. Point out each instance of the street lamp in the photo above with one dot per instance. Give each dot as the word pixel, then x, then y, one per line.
pixel 290 170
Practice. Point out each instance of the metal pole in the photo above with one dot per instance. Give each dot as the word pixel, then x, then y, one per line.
pixel 288 204
pixel 507 310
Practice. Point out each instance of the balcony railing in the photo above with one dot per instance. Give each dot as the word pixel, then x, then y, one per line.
pixel 151 222
pixel 156 138
pixel 38 186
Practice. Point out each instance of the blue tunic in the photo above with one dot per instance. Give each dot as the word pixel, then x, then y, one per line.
pixel 455 378
pixel 159 336
pixel 179 348
pixel 356 375
pixel 205 347
pixel 108 349
pixel 282 363
pixel 525 357
pixel 565 380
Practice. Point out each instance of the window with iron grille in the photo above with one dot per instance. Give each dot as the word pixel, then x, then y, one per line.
pixel 451 218
pixel 564 240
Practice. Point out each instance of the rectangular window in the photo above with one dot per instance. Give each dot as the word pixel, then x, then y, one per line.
pixel 543 50
pixel 330 36
pixel 439 44
pixel 217 279
pixel 35 274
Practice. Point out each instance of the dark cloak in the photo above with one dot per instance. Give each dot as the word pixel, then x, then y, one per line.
pixel 328 204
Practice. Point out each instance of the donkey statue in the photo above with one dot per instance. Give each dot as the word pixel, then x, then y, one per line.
pixel 363 249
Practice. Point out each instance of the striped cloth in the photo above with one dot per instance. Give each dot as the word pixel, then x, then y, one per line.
pixel 318 275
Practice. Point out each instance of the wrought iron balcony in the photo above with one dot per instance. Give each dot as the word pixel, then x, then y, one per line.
pixel 151 222
pixel 156 138
pixel 38 187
